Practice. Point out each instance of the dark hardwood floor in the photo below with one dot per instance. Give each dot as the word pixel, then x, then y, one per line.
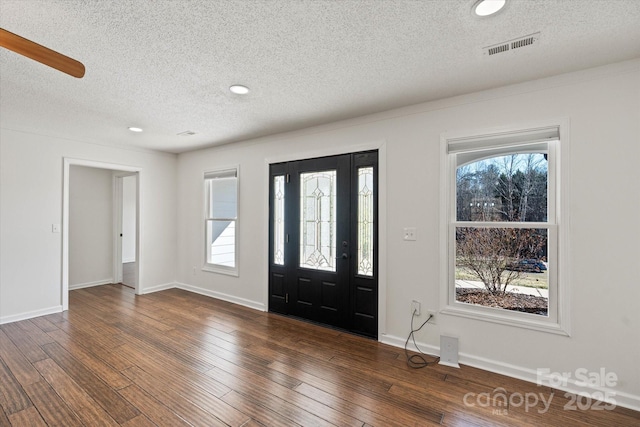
pixel 174 358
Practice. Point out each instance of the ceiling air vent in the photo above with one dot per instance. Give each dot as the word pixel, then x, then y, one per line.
pixel 498 49
pixel 187 133
pixel 511 45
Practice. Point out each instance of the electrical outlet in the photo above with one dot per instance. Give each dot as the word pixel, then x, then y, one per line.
pixel 410 234
pixel 415 307
pixel 434 318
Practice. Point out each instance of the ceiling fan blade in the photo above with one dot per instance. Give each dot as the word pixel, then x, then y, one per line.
pixel 41 54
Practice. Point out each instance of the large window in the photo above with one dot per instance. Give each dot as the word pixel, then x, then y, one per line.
pixel 503 227
pixel 221 220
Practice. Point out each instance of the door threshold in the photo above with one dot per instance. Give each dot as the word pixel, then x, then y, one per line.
pixel 325 325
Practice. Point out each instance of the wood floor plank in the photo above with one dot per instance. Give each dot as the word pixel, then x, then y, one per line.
pixel 260 414
pixel 120 311
pixel 186 409
pixel 160 414
pixel 290 353
pixel 38 335
pixel 29 348
pixel 87 409
pixel 43 324
pixel 109 355
pixel 359 412
pixel 198 396
pixel 12 396
pixel 93 360
pixel 84 325
pixel 20 367
pixel 4 420
pixel 27 417
pixel 299 408
pixel 139 421
pixel 177 375
pixel 52 408
pixel 118 408
pixel 174 358
pixel 253 360
pixel 158 345
pixel 406 413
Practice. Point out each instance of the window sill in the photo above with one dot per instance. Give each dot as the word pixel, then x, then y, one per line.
pixel 228 271
pixel 505 317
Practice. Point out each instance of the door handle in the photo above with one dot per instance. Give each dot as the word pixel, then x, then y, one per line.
pixel 344 255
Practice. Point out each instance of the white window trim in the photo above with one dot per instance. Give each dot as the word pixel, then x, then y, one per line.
pixel 558 321
pixel 216 268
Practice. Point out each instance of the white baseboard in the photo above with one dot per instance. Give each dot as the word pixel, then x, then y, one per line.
pixel 431 350
pixel 158 288
pixel 91 284
pixel 206 292
pixel 221 296
pixel 30 314
pixel 573 386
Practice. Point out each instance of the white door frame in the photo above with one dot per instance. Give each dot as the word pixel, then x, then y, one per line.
pixel 68 162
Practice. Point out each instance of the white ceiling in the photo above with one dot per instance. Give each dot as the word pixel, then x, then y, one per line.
pixel 166 66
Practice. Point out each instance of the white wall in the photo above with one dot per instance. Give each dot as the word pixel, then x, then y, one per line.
pixel 31 183
pixel 129 218
pixel 603 109
pixel 90 226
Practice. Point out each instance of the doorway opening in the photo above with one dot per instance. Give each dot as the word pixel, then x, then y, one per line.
pixel 323 241
pixel 115 271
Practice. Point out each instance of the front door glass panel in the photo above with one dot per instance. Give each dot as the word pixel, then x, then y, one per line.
pixel 365 221
pixel 278 220
pixel 318 220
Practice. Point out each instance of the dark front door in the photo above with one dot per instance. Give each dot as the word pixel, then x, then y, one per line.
pixel 323 241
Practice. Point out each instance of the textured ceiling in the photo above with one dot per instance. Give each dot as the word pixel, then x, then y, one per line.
pixel 166 66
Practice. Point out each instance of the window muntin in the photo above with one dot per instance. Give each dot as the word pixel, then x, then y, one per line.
pixel 221 220
pixel 538 221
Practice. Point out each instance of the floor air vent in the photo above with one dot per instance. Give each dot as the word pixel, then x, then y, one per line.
pixel 518 43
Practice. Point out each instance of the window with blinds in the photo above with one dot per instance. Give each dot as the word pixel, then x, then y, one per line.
pixel 221 220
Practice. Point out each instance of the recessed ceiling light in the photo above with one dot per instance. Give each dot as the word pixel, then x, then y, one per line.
pixel 134 129
pixel 488 7
pixel 239 89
